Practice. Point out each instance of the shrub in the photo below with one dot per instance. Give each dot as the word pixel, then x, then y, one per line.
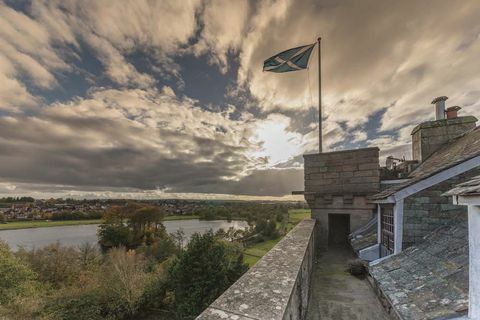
pixel 357 268
pixel 75 303
pixel 19 290
pixel 53 264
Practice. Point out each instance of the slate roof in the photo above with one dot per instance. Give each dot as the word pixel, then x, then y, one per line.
pixel 463 148
pixel 471 187
pixel 364 240
pixel 429 280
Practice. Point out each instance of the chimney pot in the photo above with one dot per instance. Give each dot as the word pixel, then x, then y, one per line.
pixel 439 103
pixel 452 112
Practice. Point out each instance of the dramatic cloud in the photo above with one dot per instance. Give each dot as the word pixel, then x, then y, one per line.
pixel 376 54
pixel 101 98
pixel 224 24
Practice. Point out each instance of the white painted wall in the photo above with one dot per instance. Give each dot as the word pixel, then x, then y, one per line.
pixel 398 221
pixel 379 224
pixel 474 272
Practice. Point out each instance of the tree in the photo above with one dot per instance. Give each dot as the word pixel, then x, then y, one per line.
pixel 179 237
pixel 114 235
pixel 130 226
pixel 203 271
pixel 125 280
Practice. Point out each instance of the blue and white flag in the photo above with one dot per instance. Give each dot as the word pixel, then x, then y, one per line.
pixel 289 60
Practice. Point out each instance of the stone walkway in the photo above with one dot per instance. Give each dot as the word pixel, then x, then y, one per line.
pixel 337 295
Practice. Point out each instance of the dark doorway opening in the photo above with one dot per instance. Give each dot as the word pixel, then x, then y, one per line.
pixel 338 229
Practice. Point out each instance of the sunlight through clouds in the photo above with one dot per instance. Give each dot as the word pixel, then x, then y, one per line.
pixel 277 143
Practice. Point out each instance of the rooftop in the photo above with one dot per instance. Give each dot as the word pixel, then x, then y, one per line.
pixel 465 147
pixel 428 280
pixel 471 187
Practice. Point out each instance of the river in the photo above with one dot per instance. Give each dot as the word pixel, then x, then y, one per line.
pixel 79 234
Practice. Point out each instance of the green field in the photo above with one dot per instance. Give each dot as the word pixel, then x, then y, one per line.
pixel 180 217
pixel 44 223
pixel 253 253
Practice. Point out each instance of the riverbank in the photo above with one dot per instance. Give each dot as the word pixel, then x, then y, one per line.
pixel 253 253
pixel 15 225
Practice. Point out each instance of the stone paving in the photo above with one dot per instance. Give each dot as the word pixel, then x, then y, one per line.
pixel 337 295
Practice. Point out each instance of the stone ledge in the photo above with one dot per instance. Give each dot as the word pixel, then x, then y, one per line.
pixel 371 149
pixel 277 287
pixel 444 122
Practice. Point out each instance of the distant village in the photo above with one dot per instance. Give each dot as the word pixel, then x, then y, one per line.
pixel 49 209
pixel 27 208
pixel 55 209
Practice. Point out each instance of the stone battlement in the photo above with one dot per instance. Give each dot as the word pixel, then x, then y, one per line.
pixel 277 287
pixel 341 172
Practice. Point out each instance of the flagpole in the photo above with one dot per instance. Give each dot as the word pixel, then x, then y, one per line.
pixel 319 97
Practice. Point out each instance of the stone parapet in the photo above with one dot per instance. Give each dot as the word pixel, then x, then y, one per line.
pixel 340 172
pixel 277 287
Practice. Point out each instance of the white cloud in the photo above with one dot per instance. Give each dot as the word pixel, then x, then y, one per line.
pixel 26 53
pixel 359 136
pixel 224 24
pixel 116 29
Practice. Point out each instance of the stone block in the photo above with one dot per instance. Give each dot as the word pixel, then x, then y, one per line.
pixel 350 167
pixel 346 174
pixel 366 173
pixel 369 166
pixel 331 175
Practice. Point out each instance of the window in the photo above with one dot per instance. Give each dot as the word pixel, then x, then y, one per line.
pixel 388 233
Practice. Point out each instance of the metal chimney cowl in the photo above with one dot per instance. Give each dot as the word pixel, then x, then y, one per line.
pixel 439 103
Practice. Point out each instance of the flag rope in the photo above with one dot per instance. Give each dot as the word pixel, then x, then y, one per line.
pixel 310 92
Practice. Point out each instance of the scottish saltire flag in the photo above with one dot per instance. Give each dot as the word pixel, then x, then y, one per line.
pixel 289 60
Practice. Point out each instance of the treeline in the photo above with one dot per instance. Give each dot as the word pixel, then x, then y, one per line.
pixel 74 215
pixel 16 199
pixel 248 211
pixel 141 272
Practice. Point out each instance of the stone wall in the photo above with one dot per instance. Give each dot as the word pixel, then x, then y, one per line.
pixel 277 287
pixel 340 172
pixel 427 210
pixel 339 183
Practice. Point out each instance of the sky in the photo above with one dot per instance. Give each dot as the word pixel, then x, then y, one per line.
pixel 167 99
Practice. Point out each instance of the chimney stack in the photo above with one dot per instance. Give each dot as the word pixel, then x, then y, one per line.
pixel 452 112
pixel 439 103
pixel 429 136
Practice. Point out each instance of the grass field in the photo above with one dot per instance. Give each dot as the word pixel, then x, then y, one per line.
pixel 254 253
pixel 44 224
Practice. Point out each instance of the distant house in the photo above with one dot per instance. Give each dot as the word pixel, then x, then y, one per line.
pixel 447 152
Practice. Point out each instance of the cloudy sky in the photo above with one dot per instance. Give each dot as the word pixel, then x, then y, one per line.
pixel 168 98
